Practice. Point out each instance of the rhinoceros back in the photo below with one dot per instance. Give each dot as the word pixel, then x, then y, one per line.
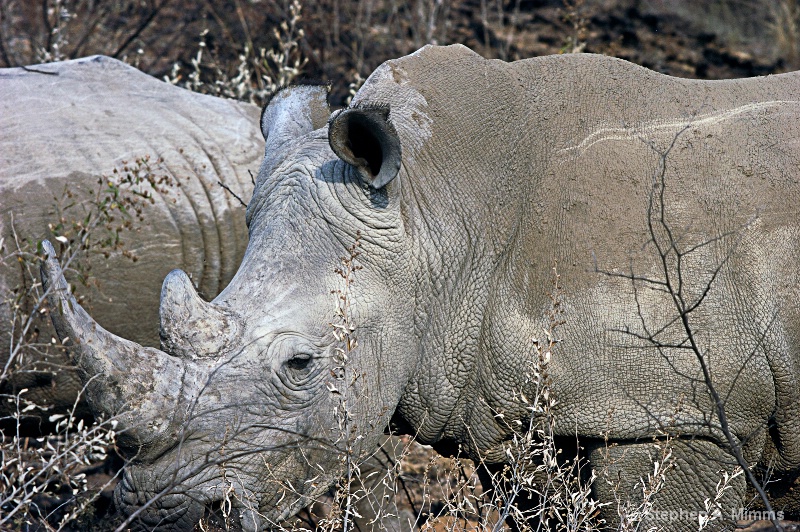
pixel 73 133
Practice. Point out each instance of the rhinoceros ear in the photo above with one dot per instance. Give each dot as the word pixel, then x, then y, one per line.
pixel 366 139
pixel 293 112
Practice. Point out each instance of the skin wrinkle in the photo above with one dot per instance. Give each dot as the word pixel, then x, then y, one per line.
pixel 377 239
pixel 186 242
pixel 464 267
pixel 483 252
pixel 351 197
pixel 131 488
pixel 484 375
pixel 211 264
pixel 344 197
pixel 221 221
pixel 423 250
pixel 413 211
pixel 501 398
pixel 416 223
pixel 780 366
pixel 227 262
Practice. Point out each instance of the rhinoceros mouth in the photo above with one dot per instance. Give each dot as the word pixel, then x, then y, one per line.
pixel 173 494
pixel 148 510
pixel 155 499
pixel 178 505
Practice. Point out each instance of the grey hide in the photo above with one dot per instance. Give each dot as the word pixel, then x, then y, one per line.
pixel 467 182
pixel 62 127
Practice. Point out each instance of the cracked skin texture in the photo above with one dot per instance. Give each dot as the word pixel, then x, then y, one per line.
pixel 63 126
pixel 549 162
pixel 509 170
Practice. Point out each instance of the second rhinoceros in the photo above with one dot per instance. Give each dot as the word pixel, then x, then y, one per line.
pixel 76 139
pixel 465 182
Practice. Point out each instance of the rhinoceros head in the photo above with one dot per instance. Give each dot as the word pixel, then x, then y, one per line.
pixel 244 401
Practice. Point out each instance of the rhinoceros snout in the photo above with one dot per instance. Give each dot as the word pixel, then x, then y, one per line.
pixel 173 508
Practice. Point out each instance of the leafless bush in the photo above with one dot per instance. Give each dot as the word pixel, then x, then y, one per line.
pixel 785 26
pixel 43 477
pixel 575 14
pixel 258 75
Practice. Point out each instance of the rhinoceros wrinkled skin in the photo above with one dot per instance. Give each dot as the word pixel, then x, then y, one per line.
pixel 466 181
pixel 63 126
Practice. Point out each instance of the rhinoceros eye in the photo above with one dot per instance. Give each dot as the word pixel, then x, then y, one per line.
pixel 299 361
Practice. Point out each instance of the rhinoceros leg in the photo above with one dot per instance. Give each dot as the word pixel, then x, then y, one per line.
pixel 697 467
pixel 382 507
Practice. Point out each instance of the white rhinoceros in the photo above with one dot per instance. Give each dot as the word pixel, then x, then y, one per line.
pixel 466 181
pixel 67 133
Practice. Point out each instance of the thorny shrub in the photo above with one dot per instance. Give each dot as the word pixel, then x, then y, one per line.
pixel 43 478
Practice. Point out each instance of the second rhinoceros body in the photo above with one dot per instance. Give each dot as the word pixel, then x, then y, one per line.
pixel 668 207
pixel 78 137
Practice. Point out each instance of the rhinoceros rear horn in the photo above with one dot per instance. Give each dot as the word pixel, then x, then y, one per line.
pixel 190 326
pixel 366 139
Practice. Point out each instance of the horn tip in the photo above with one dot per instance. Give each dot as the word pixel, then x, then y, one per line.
pixel 51 273
pixel 48 248
pixel 176 282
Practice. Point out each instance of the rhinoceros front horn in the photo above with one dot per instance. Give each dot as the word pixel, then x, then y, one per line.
pixel 139 387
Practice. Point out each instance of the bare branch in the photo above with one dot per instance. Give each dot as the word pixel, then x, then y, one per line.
pixel 671 261
pixel 138 31
pixel 232 193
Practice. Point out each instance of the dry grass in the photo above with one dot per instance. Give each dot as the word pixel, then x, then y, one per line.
pixel 245 50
